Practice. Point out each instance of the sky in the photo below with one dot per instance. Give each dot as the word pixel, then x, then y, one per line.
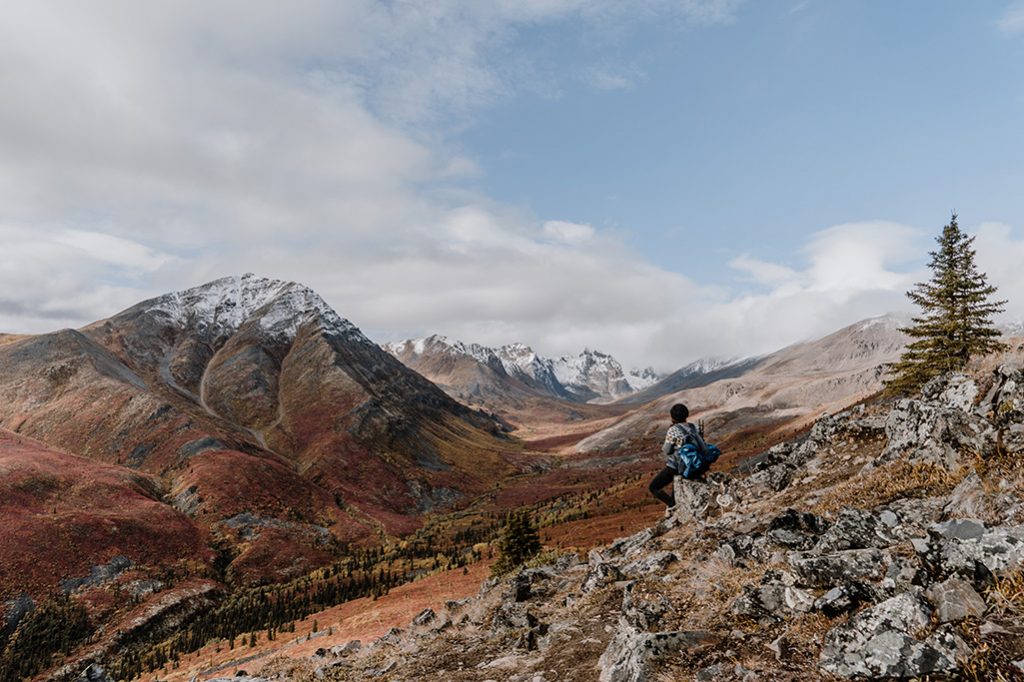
pixel 663 180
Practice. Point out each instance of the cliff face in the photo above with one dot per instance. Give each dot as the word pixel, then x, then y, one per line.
pixel 887 543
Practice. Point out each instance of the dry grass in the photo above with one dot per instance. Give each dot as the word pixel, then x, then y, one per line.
pixel 993 655
pixel 893 481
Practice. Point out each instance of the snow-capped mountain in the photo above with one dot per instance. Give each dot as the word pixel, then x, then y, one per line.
pixel 219 308
pixel 589 376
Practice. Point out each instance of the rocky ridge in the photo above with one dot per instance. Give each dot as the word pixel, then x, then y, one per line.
pixel 888 543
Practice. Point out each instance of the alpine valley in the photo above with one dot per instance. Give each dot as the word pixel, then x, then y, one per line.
pixel 235 478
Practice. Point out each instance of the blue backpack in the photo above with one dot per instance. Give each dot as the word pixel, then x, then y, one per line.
pixel 695 457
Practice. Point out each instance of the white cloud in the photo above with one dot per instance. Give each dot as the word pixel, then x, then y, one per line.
pixel 1011 21
pixel 155 146
pixel 1000 256
pixel 764 272
pixel 566 232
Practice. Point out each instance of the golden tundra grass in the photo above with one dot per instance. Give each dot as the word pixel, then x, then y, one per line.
pixel 893 481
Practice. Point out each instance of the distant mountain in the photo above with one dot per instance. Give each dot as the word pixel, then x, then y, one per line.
pixel 763 395
pixel 264 417
pixel 1007 328
pixel 479 374
pixel 699 373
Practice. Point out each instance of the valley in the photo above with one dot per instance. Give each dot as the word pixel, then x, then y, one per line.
pixel 276 467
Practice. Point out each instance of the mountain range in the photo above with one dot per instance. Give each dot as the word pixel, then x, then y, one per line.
pixel 242 433
pixel 250 407
pixel 473 372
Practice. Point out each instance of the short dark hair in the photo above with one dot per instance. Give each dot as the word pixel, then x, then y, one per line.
pixel 679 412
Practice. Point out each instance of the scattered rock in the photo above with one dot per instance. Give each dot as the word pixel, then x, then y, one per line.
pixel 955 599
pixel 630 653
pixel 695 501
pixel 839 567
pixel 601 574
pixel 882 642
pixel 854 529
pixel 425 617
pixel 94 673
pixel 844 598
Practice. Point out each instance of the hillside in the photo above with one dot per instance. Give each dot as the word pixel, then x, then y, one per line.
pixel 263 416
pixel 888 543
pixel 756 401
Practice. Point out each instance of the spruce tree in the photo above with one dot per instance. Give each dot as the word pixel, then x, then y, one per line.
pixel 519 542
pixel 956 315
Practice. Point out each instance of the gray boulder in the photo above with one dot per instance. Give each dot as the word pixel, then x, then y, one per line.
pixel 932 432
pixel 972 499
pixel 833 569
pixel 855 529
pixel 955 599
pixel 844 598
pixel 967 548
pixel 695 501
pixel 601 574
pixel 884 641
pixel 629 655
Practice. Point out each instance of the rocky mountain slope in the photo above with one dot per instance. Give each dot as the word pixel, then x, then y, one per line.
pixel 257 413
pixel 781 391
pixel 495 376
pixel 888 543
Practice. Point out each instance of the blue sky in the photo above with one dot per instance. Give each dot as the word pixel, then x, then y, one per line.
pixel 750 135
pixel 659 179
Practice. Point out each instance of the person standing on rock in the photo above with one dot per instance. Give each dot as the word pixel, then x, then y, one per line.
pixel 680 433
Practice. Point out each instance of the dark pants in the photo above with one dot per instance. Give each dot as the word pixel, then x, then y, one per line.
pixel 664 478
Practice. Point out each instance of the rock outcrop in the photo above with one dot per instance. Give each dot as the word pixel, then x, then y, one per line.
pixel 834 556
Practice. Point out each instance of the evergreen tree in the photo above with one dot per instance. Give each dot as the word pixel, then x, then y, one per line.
pixel 956 318
pixel 519 542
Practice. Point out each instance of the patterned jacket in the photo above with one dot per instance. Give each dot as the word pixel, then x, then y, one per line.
pixel 677 436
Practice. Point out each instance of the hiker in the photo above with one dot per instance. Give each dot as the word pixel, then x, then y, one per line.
pixel 678 435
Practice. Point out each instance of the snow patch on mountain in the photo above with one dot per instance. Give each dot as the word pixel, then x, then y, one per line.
pixel 639 379
pixel 220 307
pixel 591 375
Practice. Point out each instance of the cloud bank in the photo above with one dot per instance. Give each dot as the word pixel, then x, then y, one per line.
pixel 156 146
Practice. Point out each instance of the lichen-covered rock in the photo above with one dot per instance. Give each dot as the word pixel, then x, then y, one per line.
pixel 629 655
pixel 844 598
pixel 955 599
pixel 932 432
pixel 643 612
pixel 651 563
pixel 964 547
pixel 839 567
pixel 770 480
pixel 601 574
pixel 855 529
pixel 884 641
pixel 955 390
pixel 695 501
pixel 974 500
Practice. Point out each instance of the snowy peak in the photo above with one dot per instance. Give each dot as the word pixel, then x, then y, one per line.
pixel 593 373
pixel 589 376
pixel 639 379
pixel 220 307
